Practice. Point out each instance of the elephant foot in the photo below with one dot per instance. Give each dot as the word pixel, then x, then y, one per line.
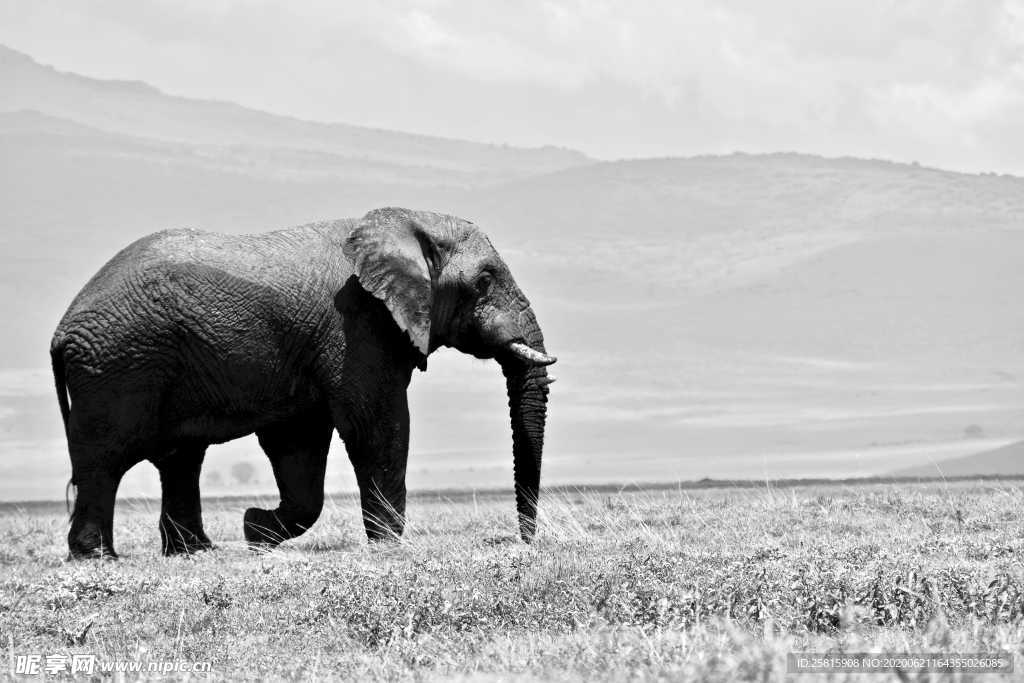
pixel 177 538
pixel 186 543
pixel 263 530
pixel 383 526
pixel 94 554
pixel 179 548
pixel 384 536
pixel 87 543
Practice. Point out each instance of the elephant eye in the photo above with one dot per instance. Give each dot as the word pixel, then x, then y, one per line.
pixel 483 283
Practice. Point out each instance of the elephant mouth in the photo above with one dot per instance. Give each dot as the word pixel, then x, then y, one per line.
pixel 528 354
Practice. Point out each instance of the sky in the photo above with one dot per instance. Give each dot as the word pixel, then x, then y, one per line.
pixel 940 82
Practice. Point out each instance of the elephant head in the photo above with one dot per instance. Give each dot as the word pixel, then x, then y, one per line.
pixel 445 285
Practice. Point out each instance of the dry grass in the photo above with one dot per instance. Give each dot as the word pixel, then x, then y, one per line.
pixel 715 585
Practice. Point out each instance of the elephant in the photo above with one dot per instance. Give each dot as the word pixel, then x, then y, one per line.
pixel 189 338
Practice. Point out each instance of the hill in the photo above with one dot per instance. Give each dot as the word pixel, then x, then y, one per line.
pixel 1006 461
pixel 138 109
pixel 773 316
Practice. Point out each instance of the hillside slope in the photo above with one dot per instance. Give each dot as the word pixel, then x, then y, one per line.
pixel 1007 460
pixel 141 110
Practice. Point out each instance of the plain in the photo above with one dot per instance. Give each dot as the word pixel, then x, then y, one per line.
pixel 662 583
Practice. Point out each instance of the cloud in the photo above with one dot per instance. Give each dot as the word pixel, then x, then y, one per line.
pixel 887 79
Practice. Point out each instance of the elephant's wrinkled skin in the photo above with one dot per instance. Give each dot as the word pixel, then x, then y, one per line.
pixel 188 338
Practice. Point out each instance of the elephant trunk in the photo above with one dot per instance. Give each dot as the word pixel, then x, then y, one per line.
pixel 527 381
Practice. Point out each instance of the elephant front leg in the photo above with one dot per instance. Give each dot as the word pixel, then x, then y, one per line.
pixel 298 453
pixel 379 454
pixel 181 514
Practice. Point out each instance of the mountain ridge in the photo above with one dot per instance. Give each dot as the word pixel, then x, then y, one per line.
pixel 151 112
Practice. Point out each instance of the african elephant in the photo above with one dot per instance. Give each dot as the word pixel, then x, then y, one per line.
pixel 188 338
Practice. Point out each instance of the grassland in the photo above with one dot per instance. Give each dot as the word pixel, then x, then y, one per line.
pixel 713 584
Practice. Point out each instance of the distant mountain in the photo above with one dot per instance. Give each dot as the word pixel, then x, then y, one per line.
pixel 1007 460
pixel 784 253
pixel 138 109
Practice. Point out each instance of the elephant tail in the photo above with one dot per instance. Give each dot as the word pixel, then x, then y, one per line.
pixel 61 382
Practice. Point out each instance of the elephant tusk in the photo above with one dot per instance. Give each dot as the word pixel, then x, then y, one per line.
pixel 531 356
pixel 546 381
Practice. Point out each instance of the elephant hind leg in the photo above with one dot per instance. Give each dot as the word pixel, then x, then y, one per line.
pixel 107 435
pixel 181 514
pixel 297 450
pixel 97 467
pixel 92 518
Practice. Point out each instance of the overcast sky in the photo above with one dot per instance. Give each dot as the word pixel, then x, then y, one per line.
pixel 937 81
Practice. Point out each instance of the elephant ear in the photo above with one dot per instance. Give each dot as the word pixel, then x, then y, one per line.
pixel 395 259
